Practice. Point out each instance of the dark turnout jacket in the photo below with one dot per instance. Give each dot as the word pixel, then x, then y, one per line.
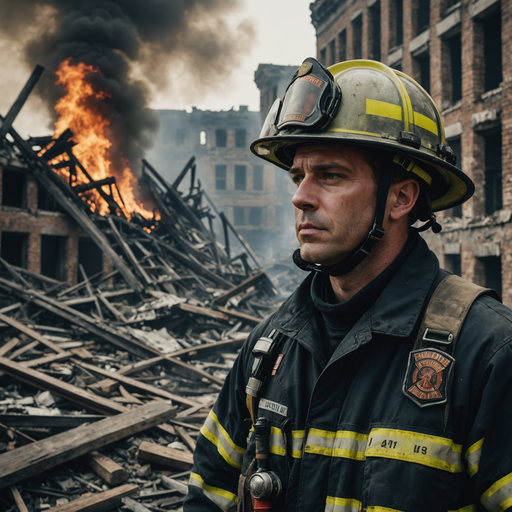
pixel 344 436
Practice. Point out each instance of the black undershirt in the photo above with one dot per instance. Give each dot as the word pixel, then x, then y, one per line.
pixel 338 319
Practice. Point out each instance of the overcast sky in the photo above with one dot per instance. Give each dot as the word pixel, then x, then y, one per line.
pixel 283 35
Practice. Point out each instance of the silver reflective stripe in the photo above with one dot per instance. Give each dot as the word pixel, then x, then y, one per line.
pixel 342 505
pixel 217 435
pixel 297 443
pixel 350 445
pixel 225 500
pixel 277 442
pixel 473 457
pixel 499 496
pixel 320 442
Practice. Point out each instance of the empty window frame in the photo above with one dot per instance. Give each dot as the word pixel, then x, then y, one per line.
pixel 239 215
pixel 342 46
pixel 492 273
pixel 396 23
pixel 357 37
pixel 240 138
pixel 202 138
pixel 493 172
pixel 53 256
pixel 14 189
pixel 374 32
pixel 257 177
pixel 323 56
pixel 493 75
pixel 255 216
pixel 452 263
pixel 332 52
pixel 454 45
pixel 221 137
pixel 422 16
pixel 220 177
pixel 423 61
pixel 240 177
pixel 90 257
pixel 456 211
pixel 14 248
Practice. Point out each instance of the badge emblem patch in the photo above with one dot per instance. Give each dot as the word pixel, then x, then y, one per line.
pixel 428 377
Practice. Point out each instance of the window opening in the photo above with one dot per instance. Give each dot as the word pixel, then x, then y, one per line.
pixel 493 172
pixel 220 177
pixel 14 248
pixel 14 189
pixel 257 177
pixel 375 31
pixel 332 52
pixel 202 138
pixel 455 51
pixel 221 138
pixel 323 56
pixel 255 216
pixel 452 263
pixel 342 46
pixel 240 138
pixel 492 52
pixel 240 177
pixel 357 40
pixel 492 272
pixel 53 256
pixel 90 256
pixel 239 215
pixel 423 15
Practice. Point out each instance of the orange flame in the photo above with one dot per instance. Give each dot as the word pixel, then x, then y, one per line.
pixel 92 145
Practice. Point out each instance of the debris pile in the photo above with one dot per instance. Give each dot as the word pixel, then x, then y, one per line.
pixel 105 384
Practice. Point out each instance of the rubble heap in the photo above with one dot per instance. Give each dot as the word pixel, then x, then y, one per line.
pixel 105 384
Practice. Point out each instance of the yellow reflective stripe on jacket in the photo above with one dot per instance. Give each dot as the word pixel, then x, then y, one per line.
pixel 381 509
pixel 473 457
pixel 297 443
pixel 469 508
pixel 350 445
pixel 342 505
pixel 217 435
pixel 433 451
pixel 277 442
pixel 499 496
pixel 225 500
pixel 383 109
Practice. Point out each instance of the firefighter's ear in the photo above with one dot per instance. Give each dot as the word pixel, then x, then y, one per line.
pixel 402 197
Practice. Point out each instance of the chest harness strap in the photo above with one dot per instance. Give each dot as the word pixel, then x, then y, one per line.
pixel 264 352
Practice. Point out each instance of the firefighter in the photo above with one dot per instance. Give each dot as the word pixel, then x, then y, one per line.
pixel 382 383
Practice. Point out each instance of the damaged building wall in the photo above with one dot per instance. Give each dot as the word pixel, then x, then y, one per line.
pixel 35 235
pixel 457 52
pixel 254 198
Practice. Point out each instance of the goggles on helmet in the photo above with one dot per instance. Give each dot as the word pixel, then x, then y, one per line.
pixel 310 102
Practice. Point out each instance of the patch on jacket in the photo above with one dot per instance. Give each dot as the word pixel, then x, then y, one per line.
pixel 427 381
pixel 273 407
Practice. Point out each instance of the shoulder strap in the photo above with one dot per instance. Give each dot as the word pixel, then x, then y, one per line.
pixel 446 312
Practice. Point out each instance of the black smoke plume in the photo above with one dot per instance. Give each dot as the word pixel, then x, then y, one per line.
pixel 118 36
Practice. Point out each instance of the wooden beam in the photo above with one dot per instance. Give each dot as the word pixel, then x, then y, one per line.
pixel 252 281
pixel 167 456
pixel 7 347
pixel 18 500
pixel 36 458
pixel 197 310
pixel 104 500
pixel 63 421
pixel 105 467
pixel 133 383
pixel 253 320
pixel 61 356
pixel 210 348
pixel 29 332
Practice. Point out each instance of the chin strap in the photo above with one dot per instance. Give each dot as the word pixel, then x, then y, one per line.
pixel 376 233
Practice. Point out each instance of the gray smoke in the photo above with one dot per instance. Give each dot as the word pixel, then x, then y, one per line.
pixel 118 36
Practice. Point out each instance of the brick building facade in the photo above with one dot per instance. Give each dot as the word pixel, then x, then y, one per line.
pixel 35 235
pixel 458 53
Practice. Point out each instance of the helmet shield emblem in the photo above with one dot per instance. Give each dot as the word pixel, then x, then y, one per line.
pixel 427 381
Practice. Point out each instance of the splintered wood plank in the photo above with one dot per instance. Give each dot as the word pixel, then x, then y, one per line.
pixel 18 499
pixel 141 386
pixel 189 308
pixel 105 467
pixel 75 394
pixel 29 332
pixel 254 320
pixel 166 456
pixel 209 348
pixel 7 347
pixel 252 281
pixel 102 500
pixel 61 356
pixel 34 459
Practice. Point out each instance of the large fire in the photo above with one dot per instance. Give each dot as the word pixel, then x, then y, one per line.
pixel 88 126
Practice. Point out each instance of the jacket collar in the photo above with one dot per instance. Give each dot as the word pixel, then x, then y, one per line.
pixel 395 313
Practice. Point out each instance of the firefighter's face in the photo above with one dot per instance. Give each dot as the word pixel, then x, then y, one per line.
pixel 334 202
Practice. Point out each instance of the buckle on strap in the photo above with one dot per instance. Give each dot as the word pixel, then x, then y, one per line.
pixel 437 336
